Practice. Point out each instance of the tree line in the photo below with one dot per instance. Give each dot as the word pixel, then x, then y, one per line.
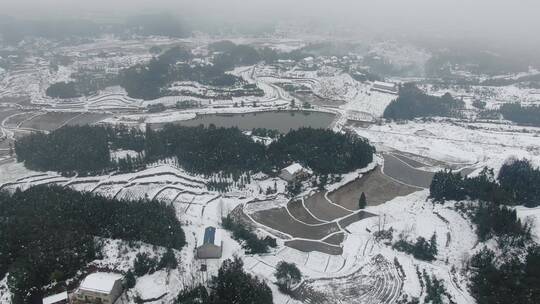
pixel 210 150
pixel 85 84
pixel 151 80
pixel 80 149
pixel 507 278
pixel 86 150
pixel 516 184
pixel 413 103
pixel 511 280
pixel 47 234
pixel 68 149
pixel 493 219
pixel 524 115
pixel 230 55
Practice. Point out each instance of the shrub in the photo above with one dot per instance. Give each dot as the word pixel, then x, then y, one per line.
pixel 250 241
pixel 421 249
pixel 288 275
pixel 144 264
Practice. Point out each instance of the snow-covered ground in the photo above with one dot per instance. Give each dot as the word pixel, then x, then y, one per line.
pixel 198 208
pixel 413 216
pixel 481 144
pixel 366 266
pixel 494 97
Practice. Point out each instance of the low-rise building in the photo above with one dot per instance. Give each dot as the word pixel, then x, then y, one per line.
pixel 60 298
pixel 210 244
pixel 99 287
pixel 385 87
pixel 293 172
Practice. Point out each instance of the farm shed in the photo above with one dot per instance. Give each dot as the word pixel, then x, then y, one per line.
pixel 210 244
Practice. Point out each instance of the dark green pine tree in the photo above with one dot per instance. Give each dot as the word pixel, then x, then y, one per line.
pixel 233 285
pixel 130 280
pixel 433 245
pixel 287 275
pixel 362 202
pixel 168 260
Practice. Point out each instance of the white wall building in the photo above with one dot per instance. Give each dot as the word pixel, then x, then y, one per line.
pixel 293 172
pixel 99 287
pixel 210 244
pixel 385 87
pixel 60 298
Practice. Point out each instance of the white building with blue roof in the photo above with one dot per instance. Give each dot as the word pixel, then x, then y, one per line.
pixel 210 244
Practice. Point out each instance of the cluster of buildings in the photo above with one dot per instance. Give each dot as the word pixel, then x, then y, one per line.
pixel 106 287
pixel 311 63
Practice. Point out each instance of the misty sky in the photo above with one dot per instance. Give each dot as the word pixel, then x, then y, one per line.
pixel 495 19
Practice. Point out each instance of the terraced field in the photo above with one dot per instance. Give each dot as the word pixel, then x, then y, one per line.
pixel 112 101
pixel 161 182
pixel 300 213
pixel 375 282
pixel 279 219
pixel 319 222
pixel 323 209
pixel 87 119
pixel 49 121
pixel 310 246
pixel 17 119
pixel 405 173
pixel 377 187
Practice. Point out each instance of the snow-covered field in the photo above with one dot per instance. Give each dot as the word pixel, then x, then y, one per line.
pixel 197 208
pixel 448 141
pixel 494 97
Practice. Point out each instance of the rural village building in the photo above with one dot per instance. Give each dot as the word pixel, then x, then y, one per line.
pixel 210 244
pixel 99 287
pixel 60 298
pixel 385 87
pixel 293 172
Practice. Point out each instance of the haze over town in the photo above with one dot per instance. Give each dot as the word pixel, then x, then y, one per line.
pixel 257 152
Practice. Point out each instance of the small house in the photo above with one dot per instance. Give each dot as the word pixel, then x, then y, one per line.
pixel 293 172
pixel 99 287
pixel 210 244
pixel 385 87
pixel 60 298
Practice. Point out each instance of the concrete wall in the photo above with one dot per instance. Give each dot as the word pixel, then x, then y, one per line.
pixel 116 291
pixel 286 175
pixel 209 251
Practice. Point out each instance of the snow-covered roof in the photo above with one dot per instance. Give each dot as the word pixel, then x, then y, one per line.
pixel 210 235
pixel 294 168
pixel 55 298
pixel 102 282
pixel 384 84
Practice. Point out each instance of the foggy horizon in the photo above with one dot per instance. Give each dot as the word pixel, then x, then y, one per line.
pixel 498 21
pixel 269 151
